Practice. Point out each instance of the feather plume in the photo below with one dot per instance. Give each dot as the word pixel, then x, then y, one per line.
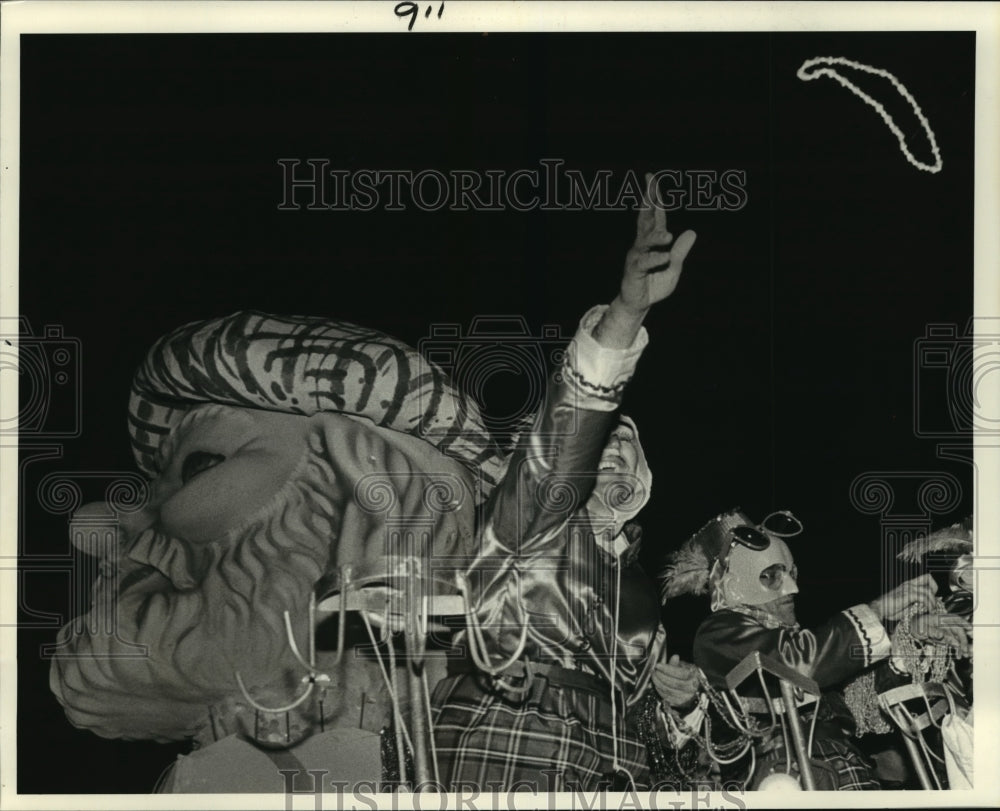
pixel 685 572
pixel 956 538
pixel 687 569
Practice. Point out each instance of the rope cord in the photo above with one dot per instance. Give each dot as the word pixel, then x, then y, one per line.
pixel 390 684
pixel 477 643
pixel 614 662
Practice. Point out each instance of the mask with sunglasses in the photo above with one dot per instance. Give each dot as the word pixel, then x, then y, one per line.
pixel 755 566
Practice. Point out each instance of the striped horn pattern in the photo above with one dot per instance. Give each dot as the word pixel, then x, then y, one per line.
pixel 305 365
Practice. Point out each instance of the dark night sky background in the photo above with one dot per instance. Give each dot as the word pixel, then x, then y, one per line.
pixel 781 369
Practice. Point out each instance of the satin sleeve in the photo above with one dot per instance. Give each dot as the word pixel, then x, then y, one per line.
pixel 830 653
pixel 553 469
pixel 550 476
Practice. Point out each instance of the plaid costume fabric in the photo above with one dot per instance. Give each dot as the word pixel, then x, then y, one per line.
pixel 555 738
pixel 837 766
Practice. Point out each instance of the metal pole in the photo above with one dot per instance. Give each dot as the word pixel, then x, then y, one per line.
pixel 801 754
pixel 414 665
pixel 418 723
pixel 397 718
pixel 918 762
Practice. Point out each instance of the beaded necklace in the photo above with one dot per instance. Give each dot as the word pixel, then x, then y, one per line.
pixel 742 723
pixel 924 661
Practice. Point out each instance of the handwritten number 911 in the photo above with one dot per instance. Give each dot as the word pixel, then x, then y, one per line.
pixel 412 10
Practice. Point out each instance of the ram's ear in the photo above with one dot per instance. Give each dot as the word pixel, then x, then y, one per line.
pixel 99 527
pixel 99 530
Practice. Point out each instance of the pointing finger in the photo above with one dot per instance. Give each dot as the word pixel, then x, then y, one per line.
pixel 646 222
pixel 656 204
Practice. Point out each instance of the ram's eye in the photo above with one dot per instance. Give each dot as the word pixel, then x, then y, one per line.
pixel 198 462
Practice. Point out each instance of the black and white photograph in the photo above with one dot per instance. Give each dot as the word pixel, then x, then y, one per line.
pixel 565 405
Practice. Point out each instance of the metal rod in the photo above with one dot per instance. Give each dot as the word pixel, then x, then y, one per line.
pixel 918 763
pixel 414 666
pixel 418 720
pixel 795 725
pixel 397 715
pixel 312 631
pixel 345 577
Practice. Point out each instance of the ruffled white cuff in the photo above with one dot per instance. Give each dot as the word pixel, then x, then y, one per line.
pixel 875 642
pixel 597 373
